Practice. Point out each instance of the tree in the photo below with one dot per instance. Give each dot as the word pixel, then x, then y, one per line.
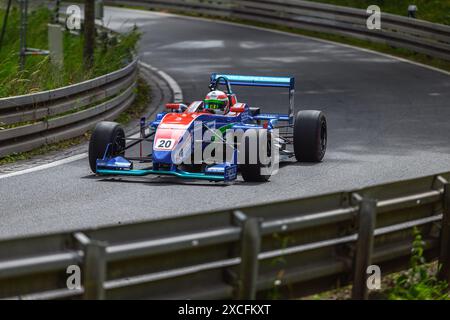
pixel 89 33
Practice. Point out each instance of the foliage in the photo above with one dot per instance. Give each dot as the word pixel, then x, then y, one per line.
pixel 39 74
pixel 418 283
pixel 275 292
pixel 45 149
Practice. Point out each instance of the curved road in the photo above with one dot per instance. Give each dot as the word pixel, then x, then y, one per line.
pixel 388 120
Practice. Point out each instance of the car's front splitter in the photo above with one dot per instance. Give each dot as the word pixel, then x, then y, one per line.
pixel 145 172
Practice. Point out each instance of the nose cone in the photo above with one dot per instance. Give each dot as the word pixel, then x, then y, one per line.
pixel 162 157
pixel 180 154
pixel 173 138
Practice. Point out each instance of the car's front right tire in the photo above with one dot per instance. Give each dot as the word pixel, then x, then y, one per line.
pixel 106 133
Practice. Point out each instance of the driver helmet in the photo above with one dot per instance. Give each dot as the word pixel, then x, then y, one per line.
pixel 217 101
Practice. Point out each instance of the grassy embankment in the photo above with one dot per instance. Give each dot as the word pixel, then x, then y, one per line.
pixel 39 74
pixel 419 282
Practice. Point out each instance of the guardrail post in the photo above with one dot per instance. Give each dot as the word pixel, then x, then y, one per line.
pixel 94 267
pixel 250 248
pixel 444 256
pixel 364 248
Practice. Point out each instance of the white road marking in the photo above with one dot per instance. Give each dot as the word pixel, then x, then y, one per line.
pixel 195 45
pixel 178 97
pixel 45 166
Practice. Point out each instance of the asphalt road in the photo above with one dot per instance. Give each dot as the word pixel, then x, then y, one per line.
pixel 388 120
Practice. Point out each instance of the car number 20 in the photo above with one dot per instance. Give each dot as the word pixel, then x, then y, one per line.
pixel 164 144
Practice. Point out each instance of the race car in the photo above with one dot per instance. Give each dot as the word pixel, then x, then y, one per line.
pixel 202 128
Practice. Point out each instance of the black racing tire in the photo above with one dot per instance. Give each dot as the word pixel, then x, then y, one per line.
pixel 104 133
pixel 252 172
pixel 310 136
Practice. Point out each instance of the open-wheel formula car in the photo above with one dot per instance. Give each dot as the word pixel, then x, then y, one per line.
pixel 177 134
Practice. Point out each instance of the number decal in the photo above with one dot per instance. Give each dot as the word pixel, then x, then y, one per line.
pixel 164 144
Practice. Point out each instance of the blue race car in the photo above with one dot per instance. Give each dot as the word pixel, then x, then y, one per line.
pixel 214 139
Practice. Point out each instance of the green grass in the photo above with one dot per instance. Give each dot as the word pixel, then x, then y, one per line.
pixel 437 11
pixel 62 145
pixel 39 74
pixel 419 282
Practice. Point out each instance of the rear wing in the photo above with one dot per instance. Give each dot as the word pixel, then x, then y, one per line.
pixel 257 81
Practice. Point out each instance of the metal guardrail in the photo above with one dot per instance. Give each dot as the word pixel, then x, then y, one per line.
pixel 285 249
pixel 67 112
pixel 397 31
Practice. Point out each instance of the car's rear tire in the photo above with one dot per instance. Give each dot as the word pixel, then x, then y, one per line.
pixel 253 172
pixel 310 136
pixel 105 133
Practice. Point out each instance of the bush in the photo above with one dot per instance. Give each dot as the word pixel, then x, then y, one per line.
pixel 419 282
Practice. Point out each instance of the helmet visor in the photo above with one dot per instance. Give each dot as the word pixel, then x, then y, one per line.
pixel 214 104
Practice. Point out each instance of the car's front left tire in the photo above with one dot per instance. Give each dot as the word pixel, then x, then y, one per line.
pixel 310 136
